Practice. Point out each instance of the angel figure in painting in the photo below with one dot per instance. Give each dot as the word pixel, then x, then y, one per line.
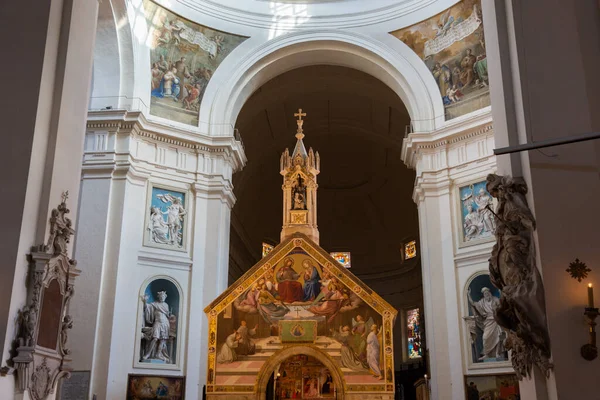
pixel 348 359
pixel 269 308
pixel 445 23
pixel 360 330
pixel 373 352
pixel 175 213
pixel 156 333
pixel 484 309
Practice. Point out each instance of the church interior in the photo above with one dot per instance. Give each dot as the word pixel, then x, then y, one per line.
pixel 300 199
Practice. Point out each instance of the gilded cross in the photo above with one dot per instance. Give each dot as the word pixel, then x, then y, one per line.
pixel 300 114
pixel 300 122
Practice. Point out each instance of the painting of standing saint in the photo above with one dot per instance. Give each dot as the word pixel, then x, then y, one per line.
pixel 452 46
pixel 183 57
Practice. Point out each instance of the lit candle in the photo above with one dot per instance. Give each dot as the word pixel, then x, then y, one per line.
pixel 590 296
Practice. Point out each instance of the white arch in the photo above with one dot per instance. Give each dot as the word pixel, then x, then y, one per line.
pixel 407 76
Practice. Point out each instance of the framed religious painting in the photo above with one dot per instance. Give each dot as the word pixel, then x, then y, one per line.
pixel 141 387
pixel 159 328
pixel 167 213
pixel 492 387
pixel 483 337
pixel 475 213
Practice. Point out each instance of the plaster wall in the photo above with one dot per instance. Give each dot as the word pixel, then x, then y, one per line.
pixel 121 161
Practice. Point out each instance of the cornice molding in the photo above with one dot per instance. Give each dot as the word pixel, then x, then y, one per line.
pixel 451 133
pixel 136 124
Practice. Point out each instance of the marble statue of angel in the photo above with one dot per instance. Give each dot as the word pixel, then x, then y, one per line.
pixel 175 213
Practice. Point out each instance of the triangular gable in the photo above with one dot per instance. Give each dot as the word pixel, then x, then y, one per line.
pixel 329 263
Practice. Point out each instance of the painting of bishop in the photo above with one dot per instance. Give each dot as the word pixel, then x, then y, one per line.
pixel 299 289
pixel 452 45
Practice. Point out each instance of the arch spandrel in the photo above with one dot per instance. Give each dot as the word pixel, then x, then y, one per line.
pixel 272 303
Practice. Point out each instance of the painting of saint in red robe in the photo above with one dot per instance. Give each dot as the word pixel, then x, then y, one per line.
pixel 290 290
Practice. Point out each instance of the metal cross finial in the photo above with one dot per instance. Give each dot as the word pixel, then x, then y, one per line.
pixel 300 122
pixel 300 114
pixel 65 196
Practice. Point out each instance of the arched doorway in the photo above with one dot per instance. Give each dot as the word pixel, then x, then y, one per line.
pixel 300 371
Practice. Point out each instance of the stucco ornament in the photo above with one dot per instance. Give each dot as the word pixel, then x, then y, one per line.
pixel 513 270
pixel 50 265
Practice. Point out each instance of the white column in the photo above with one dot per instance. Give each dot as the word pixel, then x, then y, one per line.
pixel 446 160
pixel 439 286
pixel 48 107
pixel 209 273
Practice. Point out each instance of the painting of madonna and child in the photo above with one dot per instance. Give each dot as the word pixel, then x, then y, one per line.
pixel 299 301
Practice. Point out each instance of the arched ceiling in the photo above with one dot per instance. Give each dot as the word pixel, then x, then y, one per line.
pixel 357 124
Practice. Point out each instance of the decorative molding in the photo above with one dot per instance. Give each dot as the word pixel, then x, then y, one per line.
pixel 416 144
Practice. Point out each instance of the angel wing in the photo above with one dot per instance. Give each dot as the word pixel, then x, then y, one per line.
pixel 369 324
pixel 444 18
pixel 165 198
pixel 354 322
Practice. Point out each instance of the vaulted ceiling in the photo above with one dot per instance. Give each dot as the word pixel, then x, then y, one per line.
pixel 357 124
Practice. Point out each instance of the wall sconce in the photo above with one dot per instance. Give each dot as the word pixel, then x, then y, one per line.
pixel 590 351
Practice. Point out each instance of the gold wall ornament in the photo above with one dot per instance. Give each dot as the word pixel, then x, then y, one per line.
pixel 578 270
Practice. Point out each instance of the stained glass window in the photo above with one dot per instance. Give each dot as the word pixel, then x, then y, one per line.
pixel 343 257
pixel 266 249
pixel 410 250
pixel 413 333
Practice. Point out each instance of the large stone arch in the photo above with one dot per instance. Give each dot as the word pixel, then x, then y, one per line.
pixel 281 355
pixel 402 71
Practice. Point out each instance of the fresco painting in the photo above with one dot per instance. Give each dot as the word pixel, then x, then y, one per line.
pixel 183 59
pixel 452 45
pixel 298 300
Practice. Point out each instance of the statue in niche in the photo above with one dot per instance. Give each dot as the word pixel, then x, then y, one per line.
pixel 513 270
pixel 156 332
pixel 484 309
pixel 299 192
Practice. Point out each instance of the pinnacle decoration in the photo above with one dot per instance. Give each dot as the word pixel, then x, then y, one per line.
pixel 300 122
pixel 578 270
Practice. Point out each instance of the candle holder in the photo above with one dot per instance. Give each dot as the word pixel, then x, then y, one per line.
pixel 590 351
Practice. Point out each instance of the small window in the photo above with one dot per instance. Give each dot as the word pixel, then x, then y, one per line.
pixel 413 333
pixel 410 250
pixel 343 257
pixel 266 249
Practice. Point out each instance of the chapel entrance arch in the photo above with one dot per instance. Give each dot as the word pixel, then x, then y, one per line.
pixel 310 353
